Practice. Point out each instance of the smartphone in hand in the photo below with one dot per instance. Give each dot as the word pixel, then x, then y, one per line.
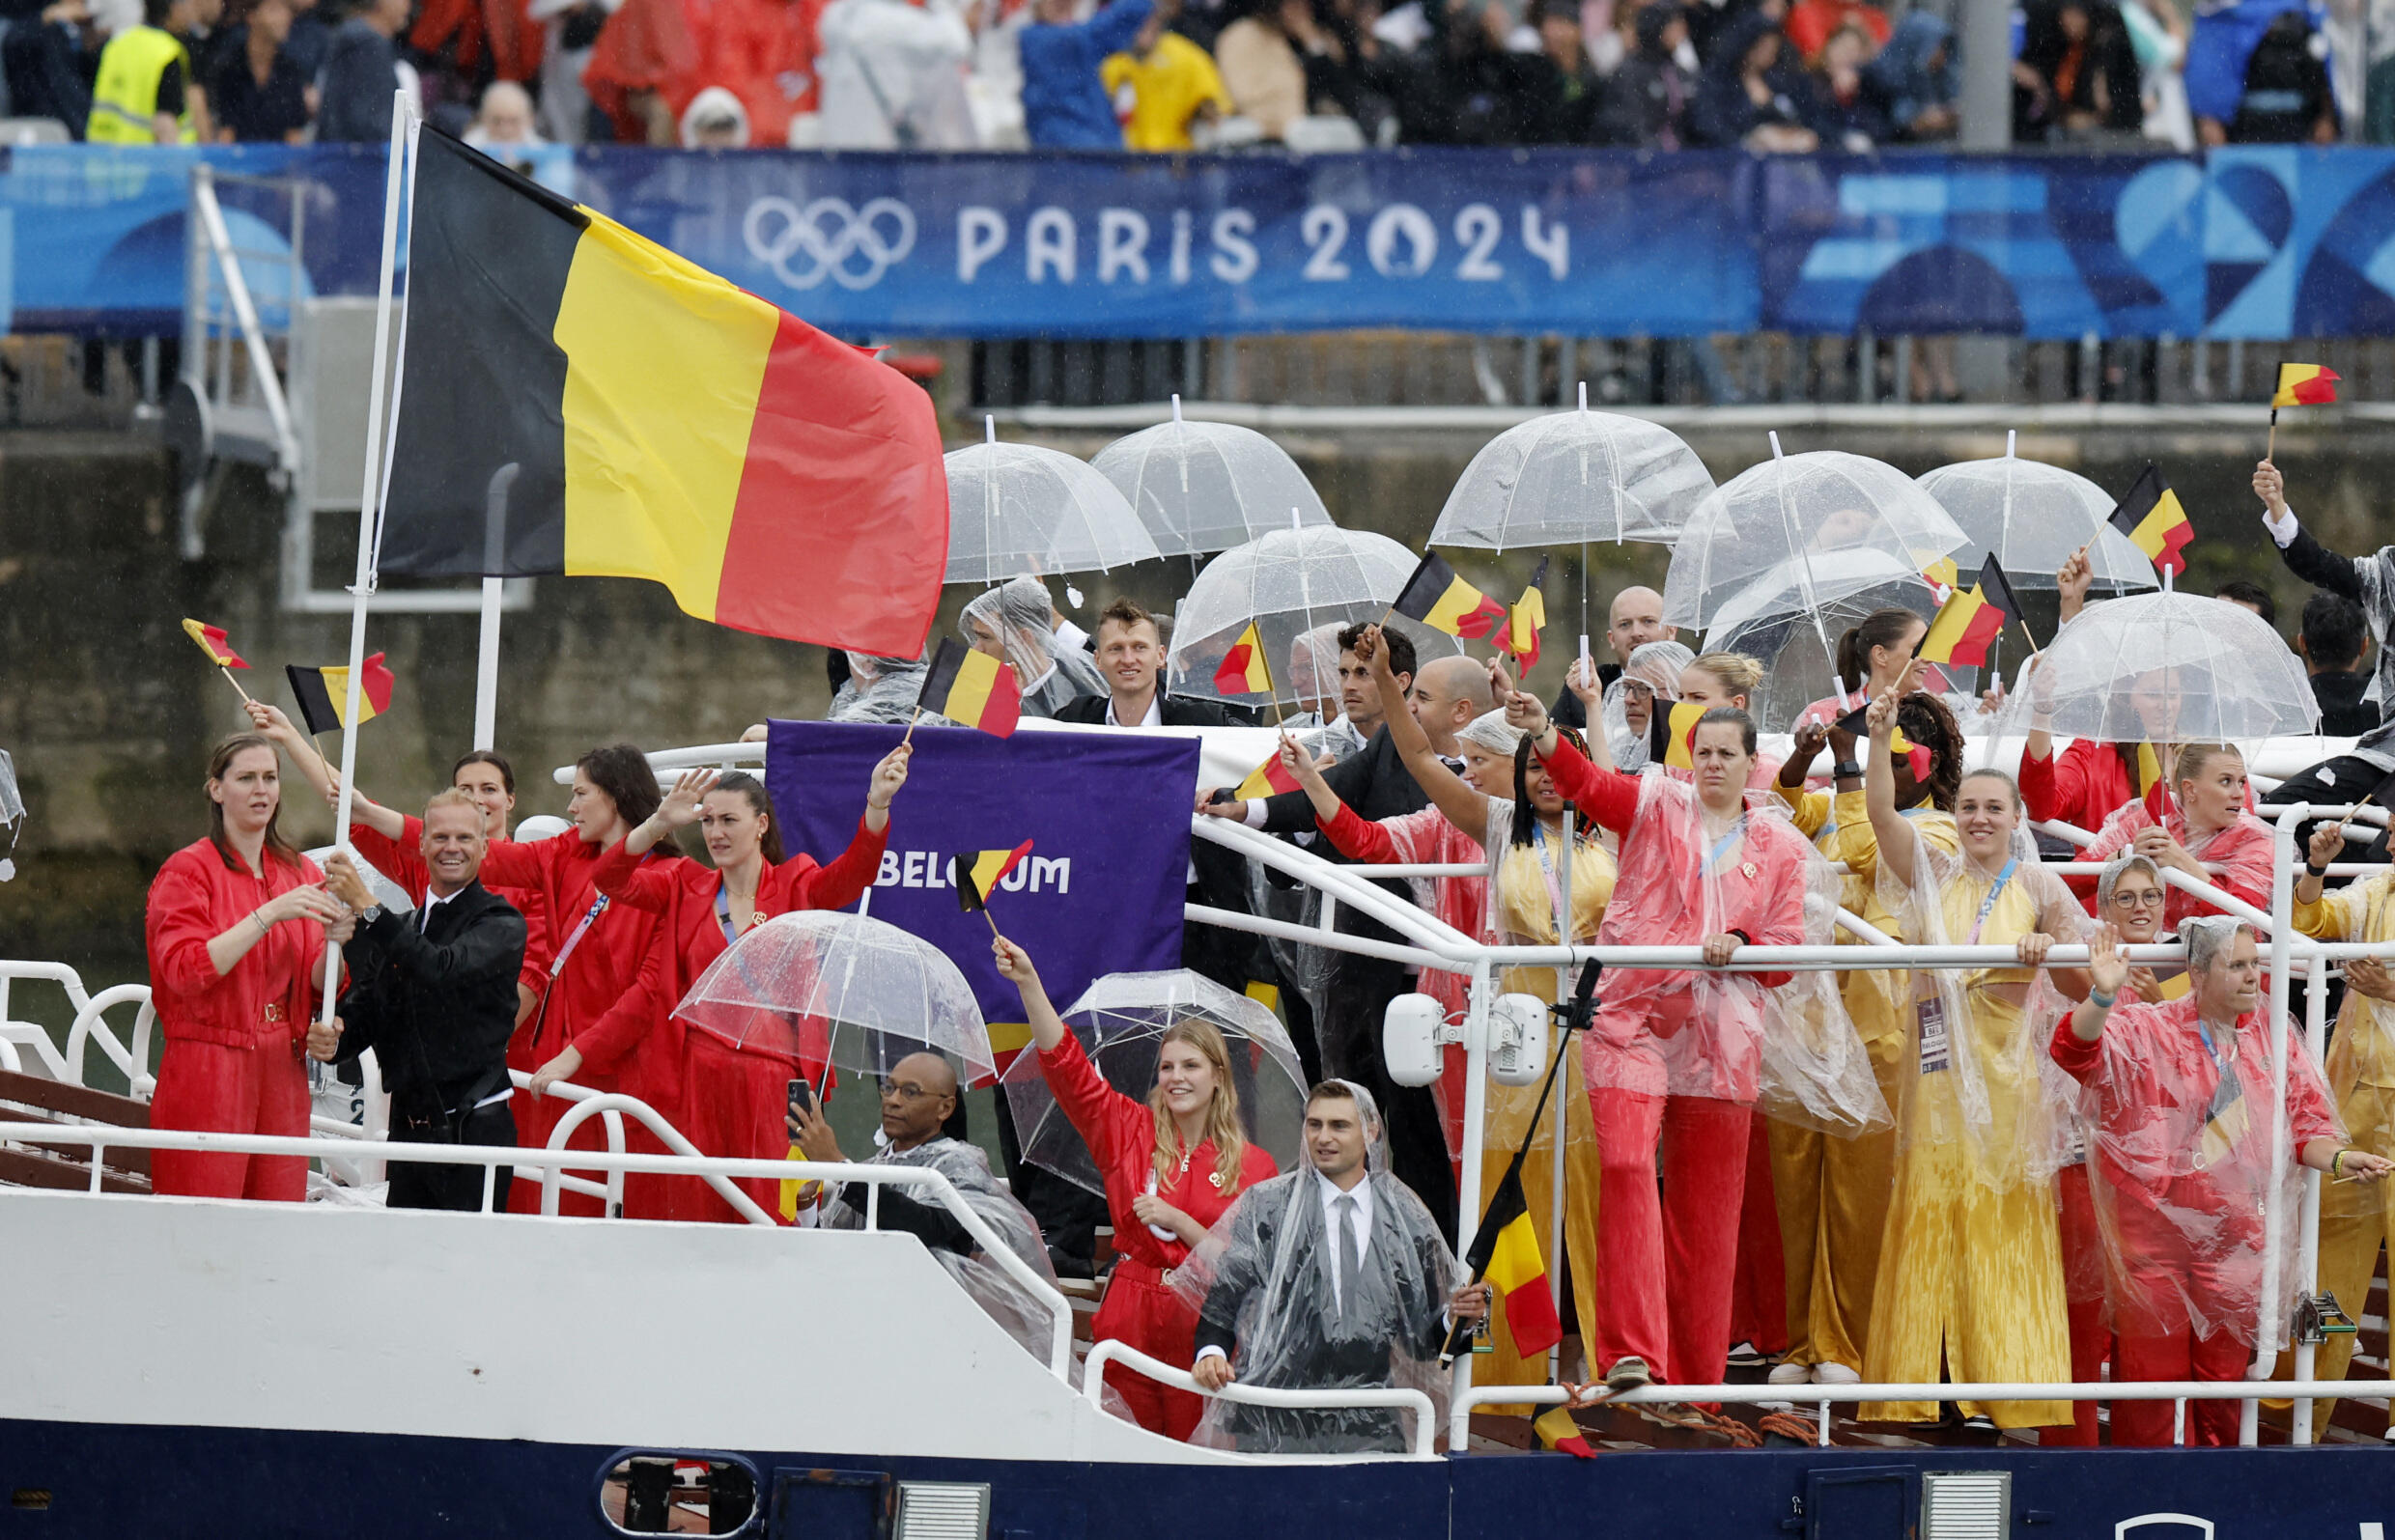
pixel 802 1100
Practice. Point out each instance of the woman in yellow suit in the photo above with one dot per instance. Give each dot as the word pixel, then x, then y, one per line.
pixel 1501 810
pixel 1971 1280
pixel 2355 1216
pixel 1833 1191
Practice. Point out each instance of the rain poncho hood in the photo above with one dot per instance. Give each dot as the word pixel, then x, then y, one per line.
pixel 880 689
pixel 1026 1315
pixel 1658 666
pixel 1051 672
pixel 1263 1273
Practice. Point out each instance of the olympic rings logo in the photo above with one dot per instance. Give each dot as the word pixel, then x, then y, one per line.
pixel 829 238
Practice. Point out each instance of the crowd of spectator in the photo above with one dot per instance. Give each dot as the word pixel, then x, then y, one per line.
pixel 1767 75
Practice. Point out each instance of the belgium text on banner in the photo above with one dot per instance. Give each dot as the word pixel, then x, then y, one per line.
pixel 1107 814
pixel 663 424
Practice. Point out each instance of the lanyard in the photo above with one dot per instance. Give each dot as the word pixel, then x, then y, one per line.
pixel 1554 882
pixel 1989 903
pixel 723 912
pixel 2223 1054
pixel 598 906
pixel 1736 832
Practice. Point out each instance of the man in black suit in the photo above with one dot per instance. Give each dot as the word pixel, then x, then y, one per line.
pixel 1327 1278
pixel 433 992
pixel 1447 694
pixel 2334 639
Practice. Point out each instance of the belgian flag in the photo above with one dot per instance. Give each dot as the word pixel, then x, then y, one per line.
pixel 324 693
pixel 212 641
pixel 2304 385
pixel 1970 619
pixel 1444 602
pixel 1267 778
pixel 980 871
pixel 971 689
pixel 1558 1430
pixel 1243 670
pixel 1858 723
pixel 1527 619
pixel 658 423
pixel 1671 732
pixel 1505 1251
pixel 2151 516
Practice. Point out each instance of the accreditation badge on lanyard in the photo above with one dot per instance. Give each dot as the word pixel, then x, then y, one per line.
pixel 1936 1037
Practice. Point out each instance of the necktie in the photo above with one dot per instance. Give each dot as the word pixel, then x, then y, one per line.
pixel 1344 1239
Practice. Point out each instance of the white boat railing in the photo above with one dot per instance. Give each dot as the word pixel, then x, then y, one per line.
pixel 100 1138
pixel 1425 1436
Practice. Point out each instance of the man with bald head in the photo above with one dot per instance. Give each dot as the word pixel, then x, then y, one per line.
pixel 1445 694
pixel 1636 619
pixel 921 1121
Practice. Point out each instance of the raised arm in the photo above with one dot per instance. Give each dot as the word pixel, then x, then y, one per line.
pixel 1464 807
pixel 2306 557
pixel 268 721
pixel 1894 832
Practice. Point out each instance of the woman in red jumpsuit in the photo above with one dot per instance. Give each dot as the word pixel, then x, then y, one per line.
pixel 236 927
pixel 1674 1058
pixel 596 951
pixel 1173 1164
pixel 734 1100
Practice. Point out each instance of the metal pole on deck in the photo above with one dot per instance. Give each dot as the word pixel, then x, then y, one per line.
pixel 2307 1237
pixel 1987 39
pixel 2270 1317
pixel 1555 1205
pixel 1475 1129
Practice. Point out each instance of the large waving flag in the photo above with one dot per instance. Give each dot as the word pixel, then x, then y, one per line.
pixel 1444 602
pixel 1505 1251
pixel 2151 516
pixel 579 400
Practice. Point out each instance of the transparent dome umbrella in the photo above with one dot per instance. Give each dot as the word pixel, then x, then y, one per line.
pixel 1208 486
pixel 2165 668
pixel 1575 478
pixel 1019 509
pixel 1816 515
pixel 2033 516
pixel 820 986
pixel 1766 621
pixel 1121 1019
pixel 1288 582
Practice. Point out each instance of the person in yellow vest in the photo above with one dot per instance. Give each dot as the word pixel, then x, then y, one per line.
pixel 1163 86
pixel 147 92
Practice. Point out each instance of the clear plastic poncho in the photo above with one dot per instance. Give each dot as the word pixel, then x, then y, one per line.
pixel 880 689
pixel 1657 665
pixel 1022 1313
pixel 1974 1073
pixel 1263 1273
pixel 1790 1044
pixel 1305 969
pixel 1051 672
pixel 2180 1142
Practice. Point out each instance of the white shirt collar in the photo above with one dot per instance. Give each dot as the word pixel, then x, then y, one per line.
pixel 432 902
pixel 1155 716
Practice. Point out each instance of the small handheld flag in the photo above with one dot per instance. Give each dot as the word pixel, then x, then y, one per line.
pixel 1558 1430
pixel 2150 515
pixel 1505 1251
pixel 971 689
pixel 324 693
pixel 211 641
pixel 1527 619
pixel 1856 723
pixel 1672 733
pixel 980 871
pixel 1265 779
pixel 1243 670
pixel 2304 385
pixel 1444 602
pixel 1966 624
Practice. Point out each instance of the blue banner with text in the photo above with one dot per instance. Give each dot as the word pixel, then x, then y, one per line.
pixel 1106 813
pixel 2259 242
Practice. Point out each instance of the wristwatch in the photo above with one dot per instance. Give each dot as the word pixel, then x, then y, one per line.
pixel 369 914
pixel 1847 770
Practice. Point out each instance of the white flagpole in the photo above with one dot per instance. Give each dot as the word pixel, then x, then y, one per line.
pixel 361 590
pixel 487 660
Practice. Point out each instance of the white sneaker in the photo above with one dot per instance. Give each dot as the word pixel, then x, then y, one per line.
pixel 1746 1356
pixel 1790 1373
pixel 1835 1374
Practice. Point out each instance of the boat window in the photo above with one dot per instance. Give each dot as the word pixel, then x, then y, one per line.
pixel 679 1494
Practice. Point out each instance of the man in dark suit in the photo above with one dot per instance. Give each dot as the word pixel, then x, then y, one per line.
pixel 1328 1279
pixel 1446 695
pixel 2334 638
pixel 433 992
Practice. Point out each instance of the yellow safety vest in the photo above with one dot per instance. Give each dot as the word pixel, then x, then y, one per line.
pixel 124 100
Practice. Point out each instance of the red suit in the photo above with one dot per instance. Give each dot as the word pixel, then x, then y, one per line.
pixel 732 1102
pixel 233 1061
pixel 2083 786
pixel 1141 1311
pixel 1674 1061
pixel 2241 850
pixel 603 965
pixel 403 863
pixel 2181 1169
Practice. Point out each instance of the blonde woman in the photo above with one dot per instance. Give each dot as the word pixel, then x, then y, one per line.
pixel 1172 1164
